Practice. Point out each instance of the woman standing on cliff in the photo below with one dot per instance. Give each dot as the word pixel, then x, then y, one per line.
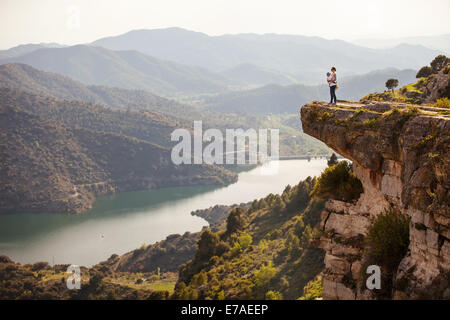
pixel 332 82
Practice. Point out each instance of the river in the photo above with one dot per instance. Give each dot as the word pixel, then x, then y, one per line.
pixel 123 222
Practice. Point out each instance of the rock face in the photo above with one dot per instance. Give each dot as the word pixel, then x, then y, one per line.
pixel 401 155
pixel 438 86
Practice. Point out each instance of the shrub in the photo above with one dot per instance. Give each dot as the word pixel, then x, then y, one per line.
pixel 292 244
pixel 273 295
pixel 338 182
pixel 264 274
pixel 221 295
pixel 388 239
pixel 333 160
pixel 245 240
pixel 411 110
pixel 424 72
pixel 372 123
pixel 427 142
pixel 221 248
pixel 439 63
pixel 389 96
pixel 183 292
pixel 320 116
pixel 313 290
pixel 40 266
pixel 159 295
pixel 199 279
pixel 386 244
pixel 442 103
pixel 391 84
pixel 446 70
pixel 236 249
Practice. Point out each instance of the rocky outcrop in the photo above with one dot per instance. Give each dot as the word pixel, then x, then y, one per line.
pixel 437 86
pixel 401 155
pixel 217 215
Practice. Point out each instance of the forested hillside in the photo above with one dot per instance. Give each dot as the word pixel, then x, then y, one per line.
pixel 58 158
pixel 263 252
pixel 168 254
pixel 141 124
pixel 26 78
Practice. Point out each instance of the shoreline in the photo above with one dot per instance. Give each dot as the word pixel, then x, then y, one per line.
pixel 131 213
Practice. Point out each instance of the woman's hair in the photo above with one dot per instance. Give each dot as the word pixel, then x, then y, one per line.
pixel 333 69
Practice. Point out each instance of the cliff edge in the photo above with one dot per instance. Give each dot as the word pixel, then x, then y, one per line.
pixel 400 153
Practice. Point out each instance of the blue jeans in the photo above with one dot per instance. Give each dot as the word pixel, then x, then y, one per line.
pixel 333 94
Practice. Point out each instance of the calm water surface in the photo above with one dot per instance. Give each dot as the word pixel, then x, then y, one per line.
pixel 123 222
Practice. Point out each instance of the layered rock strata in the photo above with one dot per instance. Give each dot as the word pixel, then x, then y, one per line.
pixel 401 155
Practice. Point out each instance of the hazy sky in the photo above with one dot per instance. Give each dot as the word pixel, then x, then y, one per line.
pixel 81 21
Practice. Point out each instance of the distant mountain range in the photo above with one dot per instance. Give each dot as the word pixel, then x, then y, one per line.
pixel 248 74
pixel 175 62
pixel 124 69
pixel 440 42
pixel 26 48
pixel 305 58
pixel 134 70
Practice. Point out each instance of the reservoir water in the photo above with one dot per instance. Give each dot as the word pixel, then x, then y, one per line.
pixel 123 222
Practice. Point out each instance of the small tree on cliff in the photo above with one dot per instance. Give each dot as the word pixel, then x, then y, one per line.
pixel 333 160
pixel 391 84
pixel 386 244
pixel 424 72
pixel 338 182
pixel 439 62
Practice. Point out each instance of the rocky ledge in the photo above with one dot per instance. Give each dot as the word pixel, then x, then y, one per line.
pixel 401 155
